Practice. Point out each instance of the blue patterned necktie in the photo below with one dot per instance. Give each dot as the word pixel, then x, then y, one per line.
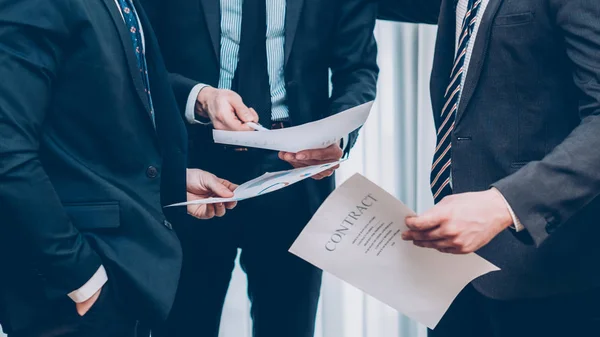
pixel 131 20
pixel 442 160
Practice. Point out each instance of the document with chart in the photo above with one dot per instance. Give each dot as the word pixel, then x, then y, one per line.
pixel 314 135
pixel 356 236
pixel 267 183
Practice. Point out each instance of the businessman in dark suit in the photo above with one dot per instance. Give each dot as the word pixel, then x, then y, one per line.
pixel 516 100
pixel 92 146
pixel 236 61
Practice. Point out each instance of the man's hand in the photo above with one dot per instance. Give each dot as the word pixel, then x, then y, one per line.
pixel 203 185
pixel 315 157
pixel 84 307
pixel 460 224
pixel 225 109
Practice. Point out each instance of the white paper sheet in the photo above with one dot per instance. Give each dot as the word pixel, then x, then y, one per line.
pixel 314 135
pixel 267 183
pixel 356 236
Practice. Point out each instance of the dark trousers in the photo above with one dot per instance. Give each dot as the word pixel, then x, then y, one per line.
pixel 474 315
pixel 283 289
pixel 107 317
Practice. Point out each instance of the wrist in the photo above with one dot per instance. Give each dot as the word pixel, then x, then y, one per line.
pixel 202 100
pixel 504 216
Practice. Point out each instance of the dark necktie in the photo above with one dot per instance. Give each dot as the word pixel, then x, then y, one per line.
pixel 131 20
pixel 441 170
pixel 251 79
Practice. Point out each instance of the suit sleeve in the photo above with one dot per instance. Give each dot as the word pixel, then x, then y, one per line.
pixel 182 86
pixel 354 69
pixel 412 11
pixel 545 194
pixel 33 34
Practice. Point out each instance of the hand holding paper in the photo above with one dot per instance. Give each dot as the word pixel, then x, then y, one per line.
pixel 315 157
pixel 202 185
pixel 314 135
pixel 267 183
pixel 461 223
pixel 356 236
pixel 225 109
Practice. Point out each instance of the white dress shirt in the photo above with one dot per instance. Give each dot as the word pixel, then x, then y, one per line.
pixel 461 11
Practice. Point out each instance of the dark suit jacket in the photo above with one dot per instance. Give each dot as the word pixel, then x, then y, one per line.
pixel 529 125
pixel 320 35
pixel 83 172
pixel 414 11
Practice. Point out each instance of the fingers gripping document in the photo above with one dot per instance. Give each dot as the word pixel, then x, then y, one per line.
pixel 356 236
pixel 310 136
pixel 267 183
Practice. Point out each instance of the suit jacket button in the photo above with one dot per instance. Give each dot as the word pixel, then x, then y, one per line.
pixel 152 172
pixel 550 228
pixel 168 225
pixel 552 225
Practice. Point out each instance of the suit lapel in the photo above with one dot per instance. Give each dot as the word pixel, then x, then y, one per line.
pixel 165 107
pixel 212 13
pixel 443 55
pixel 292 18
pixel 478 56
pixel 129 52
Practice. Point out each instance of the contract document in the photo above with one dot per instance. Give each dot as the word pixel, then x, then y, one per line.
pixel 356 236
pixel 314 135
pixel 267 183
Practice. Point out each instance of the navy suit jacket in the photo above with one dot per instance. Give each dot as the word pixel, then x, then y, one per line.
pixel 83 172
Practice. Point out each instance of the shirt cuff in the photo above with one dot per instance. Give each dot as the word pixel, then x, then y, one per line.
pixel 91 287
pixel 517 225
pixel 190 107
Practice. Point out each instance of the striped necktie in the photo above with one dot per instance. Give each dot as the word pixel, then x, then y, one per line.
pixel 442 160
pixel 131 20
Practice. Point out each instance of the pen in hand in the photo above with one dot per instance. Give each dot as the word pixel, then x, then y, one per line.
pixel 256 126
